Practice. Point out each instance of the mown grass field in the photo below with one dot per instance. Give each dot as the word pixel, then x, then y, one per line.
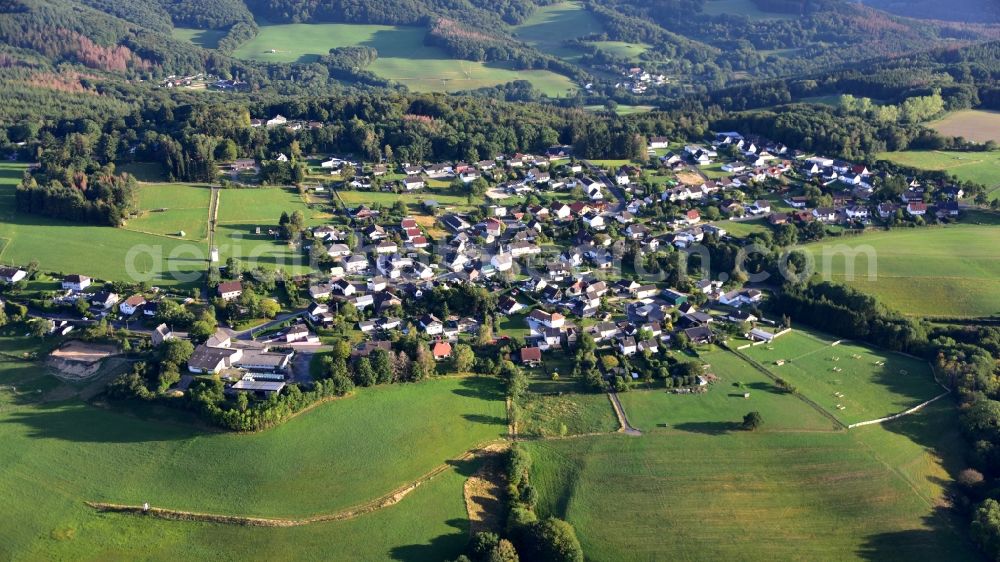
pixel 979 167
pixel 549 26
pixel 949 271
pixel 242 211
pixel 414 200
pixel 722 408
pixel 171 208
pixel 848 375
pixel 340 454
pixel 402 56
pixel 867 494
pixel 206 38
pixel 972 124
pixel 99 251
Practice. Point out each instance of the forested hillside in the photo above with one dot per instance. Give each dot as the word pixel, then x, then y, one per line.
pixel 985 11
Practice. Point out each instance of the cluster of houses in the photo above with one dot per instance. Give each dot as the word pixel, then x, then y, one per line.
pixel 637 81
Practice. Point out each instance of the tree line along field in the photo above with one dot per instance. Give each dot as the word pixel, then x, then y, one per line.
pixel 402 57
pixel 951 271
pixel 850 381
pixel 865 494
pixel 98 251
pixel 972 124
pixel 61 454
pixel 978 167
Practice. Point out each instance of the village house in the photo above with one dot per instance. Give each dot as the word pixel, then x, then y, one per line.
pixel 76 282
pixel 12 274
pixel 229 290
pixel 132 304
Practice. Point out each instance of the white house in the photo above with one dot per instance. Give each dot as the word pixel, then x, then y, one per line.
pixel 130 305
pixel 76 282
pixel 12 274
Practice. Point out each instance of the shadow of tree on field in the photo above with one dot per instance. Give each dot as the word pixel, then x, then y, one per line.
pixel 944 528
pixel 708 428
pixel 489 420
pixel 940 534
pixel 465 467
pixel 476 387
pixel 88 424
pixel 444 547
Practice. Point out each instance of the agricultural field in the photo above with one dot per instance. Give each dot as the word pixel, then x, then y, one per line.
pixel 951 271
pixel 865 494
pixel 549 26
pixel 972 124
pixel 242 211
pixel 114 254
pixel 402 57
pixel 723 406
pixel 205 38
pixel 169 209
pixel 622 109
pixel 978 167
pixel 852 382
pixel 61 454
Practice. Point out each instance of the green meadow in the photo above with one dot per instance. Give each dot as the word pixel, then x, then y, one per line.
pixel 874 493
pixel 206 38
pixel 951 271
pixel 548 26
pixel 60 454
pixel 402 57
pixel 723 405
pixel 621 49
pixel 242 211
pixel 978 167
pixel 169 209
pixel 852 382
pixel 103 252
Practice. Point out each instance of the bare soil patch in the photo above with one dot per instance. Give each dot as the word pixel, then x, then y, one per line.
pixel 76 360
pixel 484 492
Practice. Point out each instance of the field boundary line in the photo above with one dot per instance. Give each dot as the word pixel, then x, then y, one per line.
pixel 381 502
pixel 774 377
pixel 161 235
pixel 912 410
